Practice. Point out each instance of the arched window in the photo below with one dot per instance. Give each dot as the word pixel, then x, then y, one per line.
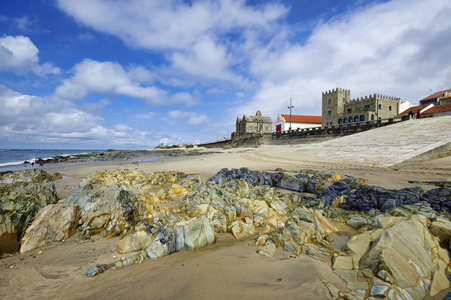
pixel 340 121
pixel 345 120
pixel 362 118
pixel 350 119
pixel 356 119
pixel 372 117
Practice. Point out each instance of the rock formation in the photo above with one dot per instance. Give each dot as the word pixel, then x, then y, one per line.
pixel 22 195
pixel 53 223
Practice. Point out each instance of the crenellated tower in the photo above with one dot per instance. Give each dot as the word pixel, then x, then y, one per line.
pixel 333 104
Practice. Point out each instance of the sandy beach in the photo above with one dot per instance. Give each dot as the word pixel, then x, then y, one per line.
pixel 228 269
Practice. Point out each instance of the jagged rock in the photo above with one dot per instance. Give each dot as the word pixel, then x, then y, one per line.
pixel 268 250
pixel 442 228
pixel 300 230
pixel 129 259
pixel 177 191
pixel 356 222
pixel 186 235
pixel 440 199
pixel 404 260
pixel 134 242
pixel 302 182
pixel 235 207
pixel 114 202
pixel 365 198
pixel 53 223
pixel 22 195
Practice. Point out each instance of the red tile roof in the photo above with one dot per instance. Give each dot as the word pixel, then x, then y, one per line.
pixel 303 119
pixel 435 95
pixel 438 109
pixel 413 109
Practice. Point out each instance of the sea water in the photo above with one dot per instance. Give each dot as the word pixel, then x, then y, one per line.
pixel 13 158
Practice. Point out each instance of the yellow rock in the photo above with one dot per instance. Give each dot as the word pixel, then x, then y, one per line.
pixel 439 283
pixel 330 229
pixel 336 177
pixel 177 191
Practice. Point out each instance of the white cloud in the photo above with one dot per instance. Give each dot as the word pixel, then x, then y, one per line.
pixel 33 120
pixel 91 76
pixel 396 48
pixel 192 117
pixel 200 38
pixel 170 24
pixel 18 54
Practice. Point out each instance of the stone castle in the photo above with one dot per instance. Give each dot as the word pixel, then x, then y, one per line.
pixel 338 108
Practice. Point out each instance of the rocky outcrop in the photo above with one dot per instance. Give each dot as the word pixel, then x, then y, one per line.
pixel 53 223
pixel 22 195
pixel 364 198
pixel 440 199
pixel 186 235
pixel 114 202
pixel 236 207
pixel 308 181
pixel 402 260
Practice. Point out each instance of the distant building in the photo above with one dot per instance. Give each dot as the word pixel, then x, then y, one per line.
pixel 282 122
pixel 413 110
pixel 248 125
pixel 438 98
pixel 338 108
pixel 427 110
pixel 405 105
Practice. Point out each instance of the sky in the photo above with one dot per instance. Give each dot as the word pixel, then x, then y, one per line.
pixel 133 74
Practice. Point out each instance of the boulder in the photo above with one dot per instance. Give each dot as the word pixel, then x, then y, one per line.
pixel 404 259
pixel 129 259
pixel 22 195
pixel 364 198
pixel 442 229
pixel 115 202
pixel 186 235
pixel 134 242
pixel 53 223
pixel 439 199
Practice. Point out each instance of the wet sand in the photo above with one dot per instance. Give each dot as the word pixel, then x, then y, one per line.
pixel 226 270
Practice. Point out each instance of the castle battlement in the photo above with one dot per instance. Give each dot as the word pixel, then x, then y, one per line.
pixel 373 97
pixel 333 91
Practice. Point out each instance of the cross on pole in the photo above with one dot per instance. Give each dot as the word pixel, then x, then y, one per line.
pixel 290 107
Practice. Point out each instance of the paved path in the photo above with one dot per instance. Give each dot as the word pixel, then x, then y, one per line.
pixel 390 145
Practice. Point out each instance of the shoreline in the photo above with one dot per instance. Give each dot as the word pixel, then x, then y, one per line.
pixel 229 268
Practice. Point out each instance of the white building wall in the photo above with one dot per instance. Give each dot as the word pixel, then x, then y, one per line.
pixel 285 124
pixel 403 106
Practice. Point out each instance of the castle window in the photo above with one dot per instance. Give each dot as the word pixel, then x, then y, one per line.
pixel 345 120
pixel 344 100
pixel 349 110
pixel 340 121
pixel 350 119
pixel 380 106
pixel 372 117
pixel 329 101
pixel 356 119
pixel 389 108
pixel 362 118
pixel 329 113
pixel 327 124
pixel 331 123
pixel 367 107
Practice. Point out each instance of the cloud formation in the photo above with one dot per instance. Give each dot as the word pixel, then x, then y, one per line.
pixel 192 117
pixel 19 55
pixel 91 76
pixel 396 48
pixel 37 120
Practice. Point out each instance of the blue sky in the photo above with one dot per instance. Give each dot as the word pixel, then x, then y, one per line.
pixel 98 74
